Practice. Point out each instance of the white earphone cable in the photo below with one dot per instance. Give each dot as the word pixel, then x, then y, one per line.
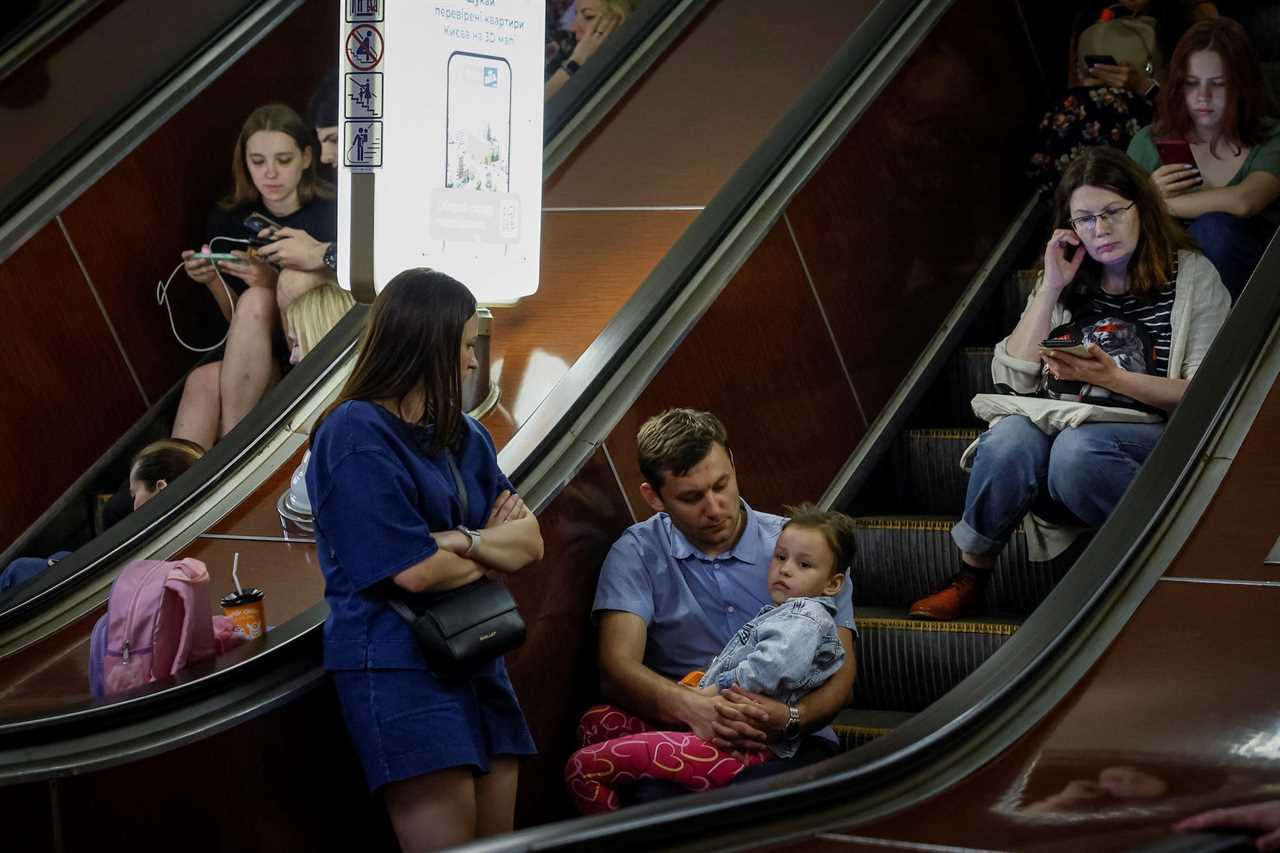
pixel 162 297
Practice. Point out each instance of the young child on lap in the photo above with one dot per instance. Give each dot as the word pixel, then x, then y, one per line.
pixel 787 650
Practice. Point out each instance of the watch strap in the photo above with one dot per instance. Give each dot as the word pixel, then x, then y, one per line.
pixel 791 730
pixel 473 536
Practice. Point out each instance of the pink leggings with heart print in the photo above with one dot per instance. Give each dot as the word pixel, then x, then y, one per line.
pixel 617 747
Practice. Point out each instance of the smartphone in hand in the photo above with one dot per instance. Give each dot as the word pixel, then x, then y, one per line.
pixel 1055 345
pixel 1092 59
pixel 255 222
pixel 1175 151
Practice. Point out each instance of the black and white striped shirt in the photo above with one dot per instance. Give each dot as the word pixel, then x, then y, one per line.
pixel 1154 316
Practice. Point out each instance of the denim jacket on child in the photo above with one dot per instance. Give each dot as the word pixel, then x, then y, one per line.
pixel 785 652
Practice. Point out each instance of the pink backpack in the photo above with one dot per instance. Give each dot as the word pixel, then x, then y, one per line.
pixel 159 621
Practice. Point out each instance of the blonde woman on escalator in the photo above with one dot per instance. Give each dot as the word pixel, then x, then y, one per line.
pixel 593 22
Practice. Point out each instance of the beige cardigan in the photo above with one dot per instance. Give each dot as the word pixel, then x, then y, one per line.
pixel 1200 307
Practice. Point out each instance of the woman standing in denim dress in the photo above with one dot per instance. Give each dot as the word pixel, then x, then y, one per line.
pixel 390 522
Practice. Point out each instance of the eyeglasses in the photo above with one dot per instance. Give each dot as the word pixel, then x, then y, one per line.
pixel 1106 217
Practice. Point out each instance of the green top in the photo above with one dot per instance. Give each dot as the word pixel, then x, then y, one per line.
pixel 1262 158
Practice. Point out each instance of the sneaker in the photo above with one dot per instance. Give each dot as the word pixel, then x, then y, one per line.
pixel 961 598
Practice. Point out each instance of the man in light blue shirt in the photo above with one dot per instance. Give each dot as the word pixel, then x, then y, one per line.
pixel 676 587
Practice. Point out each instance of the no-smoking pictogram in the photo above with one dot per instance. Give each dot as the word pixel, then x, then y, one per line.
pixel 364 47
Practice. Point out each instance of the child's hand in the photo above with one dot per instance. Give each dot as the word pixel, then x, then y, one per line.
pixel 709 690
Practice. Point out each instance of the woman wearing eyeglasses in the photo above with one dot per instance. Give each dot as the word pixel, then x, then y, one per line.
pixel 1115 255
pixel 1216 100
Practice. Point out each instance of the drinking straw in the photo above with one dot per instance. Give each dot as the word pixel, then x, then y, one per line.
pixel 235 576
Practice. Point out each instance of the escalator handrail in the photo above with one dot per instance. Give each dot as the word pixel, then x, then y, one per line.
pixel 105 552
pixel 595 368
pixel 919 743
pixel 207 472
pixel 101 141
pixel 584 85
pixel 40 31
pixel 979 698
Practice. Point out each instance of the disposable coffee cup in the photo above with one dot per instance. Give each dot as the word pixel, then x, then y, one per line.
pixel 245 609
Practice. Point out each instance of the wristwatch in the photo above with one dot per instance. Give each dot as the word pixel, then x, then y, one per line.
pixel 331 256
pixel 791 730
pixel 473 535
pixel 570 67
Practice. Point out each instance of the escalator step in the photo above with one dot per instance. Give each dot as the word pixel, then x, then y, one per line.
pixel 909 664
pixel 968 373
pixel 1013 296
pixel 856 726
pixel 927 473
pixel 904 558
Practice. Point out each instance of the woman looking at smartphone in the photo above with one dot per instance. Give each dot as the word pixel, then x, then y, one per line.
pixel 274 175
pixel 1216 101
pixel 1115 253
pixel 387 463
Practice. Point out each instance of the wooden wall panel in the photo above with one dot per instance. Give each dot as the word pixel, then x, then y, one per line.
pixel 897 221
pixel 68 394
pixel 762 360
pixel 555 671
pixel 131 226
pixel 1239 528
pixel 92 67
pixel 592 263
pixel 700 113
pixel 1182 694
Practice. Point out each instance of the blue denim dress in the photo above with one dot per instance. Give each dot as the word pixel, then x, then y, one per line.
pixel 377 495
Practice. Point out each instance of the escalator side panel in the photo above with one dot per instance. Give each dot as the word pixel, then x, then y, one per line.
pixel 288 780
pixel 896 223
pixel 81 329
pixel 592 262
pixel 68 390
pixel 714 96
pixel 762 359
pixel 1177 696
pixel 880 244
pixel 94 70
pixel 555 672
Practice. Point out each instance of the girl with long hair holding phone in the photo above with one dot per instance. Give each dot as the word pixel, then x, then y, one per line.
pixel 1217 102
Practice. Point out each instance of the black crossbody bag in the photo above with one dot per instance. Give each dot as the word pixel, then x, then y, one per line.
pixel 459 629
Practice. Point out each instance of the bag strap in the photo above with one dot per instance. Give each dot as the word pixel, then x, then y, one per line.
pixel 459 483
pixel 406 613
pixel 402 609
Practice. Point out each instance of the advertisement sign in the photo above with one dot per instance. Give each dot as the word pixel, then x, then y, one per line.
pixel 442 107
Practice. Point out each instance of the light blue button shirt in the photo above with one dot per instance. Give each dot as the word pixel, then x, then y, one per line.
pixel 692 603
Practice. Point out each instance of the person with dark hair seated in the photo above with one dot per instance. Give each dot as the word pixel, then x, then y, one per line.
pixel 159 464
pixel 675 588
pixel 153 468
pixel 1217 103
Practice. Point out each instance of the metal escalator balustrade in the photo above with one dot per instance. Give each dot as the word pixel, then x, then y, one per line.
pixel 905 552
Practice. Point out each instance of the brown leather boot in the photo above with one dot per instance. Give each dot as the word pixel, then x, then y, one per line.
pixel 961 598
